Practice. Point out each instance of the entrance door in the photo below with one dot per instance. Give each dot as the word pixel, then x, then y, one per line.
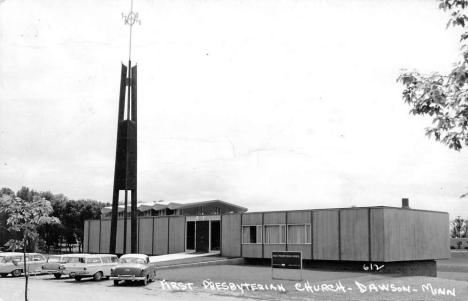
pixel 215 235
pixel 202 236
pixel 190 235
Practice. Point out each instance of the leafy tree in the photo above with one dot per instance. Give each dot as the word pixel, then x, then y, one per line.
pixel 6 190
pixel 459 227
pixel 444 97
pixel 24 218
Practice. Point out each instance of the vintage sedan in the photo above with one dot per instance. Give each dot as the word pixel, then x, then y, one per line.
pixel 54 262
pixel 134 267
pixel 95 266
pixel 12 262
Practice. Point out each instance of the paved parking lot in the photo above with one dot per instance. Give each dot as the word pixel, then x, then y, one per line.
pixel 47 288
pixel 208 285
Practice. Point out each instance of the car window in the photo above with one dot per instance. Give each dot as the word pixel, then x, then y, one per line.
pixel 54 259
pixel 76 260
pixel 132 260
pixel 38 258
pixel 114 259
pixel 105 259
pixel 13 258
pixel 93 260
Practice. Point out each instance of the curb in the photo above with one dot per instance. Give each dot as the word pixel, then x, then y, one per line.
pixel 233 261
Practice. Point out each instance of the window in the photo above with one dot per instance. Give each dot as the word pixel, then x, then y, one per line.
pixel 275 234
pixel 105 259
pixel 299 234
pixel 251 234
pixel 38 258
pixel 93 260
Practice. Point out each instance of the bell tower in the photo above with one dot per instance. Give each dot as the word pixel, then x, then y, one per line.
pixel 125 173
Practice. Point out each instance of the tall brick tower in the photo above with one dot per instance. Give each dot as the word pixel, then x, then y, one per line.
pixel 125 174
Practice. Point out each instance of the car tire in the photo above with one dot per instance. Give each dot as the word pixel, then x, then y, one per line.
pixel 4 274
pixel 57 275
pixel 16 273
pixel 153 277
pixel 78 278
pixel 116 282
pixel 145 282
pixel 97 276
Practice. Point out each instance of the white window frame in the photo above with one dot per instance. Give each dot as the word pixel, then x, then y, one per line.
pixel 305 233
pixel 284 235
pixel 259 231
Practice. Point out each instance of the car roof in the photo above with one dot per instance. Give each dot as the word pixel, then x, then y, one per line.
pixel 18 254
pixel 143 256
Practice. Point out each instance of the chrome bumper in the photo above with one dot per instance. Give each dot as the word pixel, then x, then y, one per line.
pixel 128 277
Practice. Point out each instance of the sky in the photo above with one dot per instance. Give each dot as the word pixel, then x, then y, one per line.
pixel 271 105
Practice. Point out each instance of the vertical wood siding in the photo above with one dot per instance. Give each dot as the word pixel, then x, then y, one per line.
pixel 105 236
pixel 94 236
pixel 274 218
pixel 119 238
pixel 231 238
pixel 252 219
pixel 325 235
pixel 377 234
pixel 268 248
pixel 145 236
pixel 415 235
pixel 86 237
pixel 160 236
pixel 354 234
pixel 176 234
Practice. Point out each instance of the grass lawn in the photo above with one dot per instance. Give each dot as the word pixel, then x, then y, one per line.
pixel 324 285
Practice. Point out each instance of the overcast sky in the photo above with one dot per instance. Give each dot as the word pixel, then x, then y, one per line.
pixel 271 105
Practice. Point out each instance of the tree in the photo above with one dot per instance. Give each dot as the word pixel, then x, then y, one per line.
pixel 443 97
pixel 24 217
pixel 459 227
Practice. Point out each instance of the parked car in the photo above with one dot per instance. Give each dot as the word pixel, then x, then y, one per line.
pixel 134 267
pixel 54 262
pixel 12 262
pixel 94 265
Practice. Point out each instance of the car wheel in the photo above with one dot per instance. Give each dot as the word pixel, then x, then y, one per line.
pixel 78 278
pixel 116 282
pixel 153 277
pixel 145 282
pixel 57 275
pixel 4 274
pixel 16 273
pixel 97 276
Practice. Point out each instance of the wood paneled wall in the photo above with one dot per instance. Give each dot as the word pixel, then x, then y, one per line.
pixel 415 235
pixel 325 235
pixel 94 238
pixel 161 236
pixel 176 234
pixel 231 235
pixel 378 234
pixel 354 234
pixel 145 236
pixel 86 236
pixel 105 236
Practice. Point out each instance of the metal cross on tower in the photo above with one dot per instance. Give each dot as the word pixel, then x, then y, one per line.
pixel 125 174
